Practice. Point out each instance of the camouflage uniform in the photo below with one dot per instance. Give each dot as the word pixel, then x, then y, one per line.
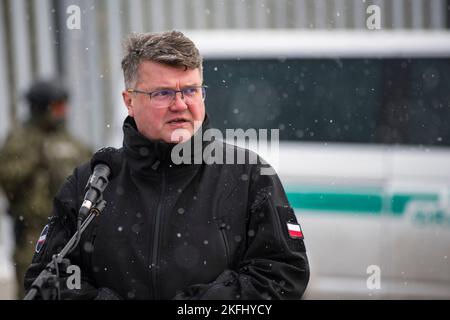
pixel 35 160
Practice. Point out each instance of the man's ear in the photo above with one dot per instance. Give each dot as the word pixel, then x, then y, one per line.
pixel 128 102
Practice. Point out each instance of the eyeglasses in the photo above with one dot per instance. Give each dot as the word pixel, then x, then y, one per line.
pixel 165 97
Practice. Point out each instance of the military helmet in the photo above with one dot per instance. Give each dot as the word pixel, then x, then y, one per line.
pixel 43 93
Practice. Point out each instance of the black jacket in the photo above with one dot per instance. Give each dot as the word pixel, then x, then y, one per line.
pixel 187 231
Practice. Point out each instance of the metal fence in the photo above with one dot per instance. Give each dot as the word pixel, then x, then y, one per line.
pixel 35 42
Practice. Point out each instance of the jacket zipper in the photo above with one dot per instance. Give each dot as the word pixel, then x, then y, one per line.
pixel 225 241
pixel 156 237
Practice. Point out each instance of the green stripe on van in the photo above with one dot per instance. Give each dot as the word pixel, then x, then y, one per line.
pixel 399 201
pixel 360 203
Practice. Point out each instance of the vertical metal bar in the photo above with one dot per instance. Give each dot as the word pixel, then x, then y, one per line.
pixel 320 14
pixel 178 14
pixel 359 14
pixel 280 14
pixel 116 107
pixel 5 112
pixel 437 14
pixel 417 14
pixel 92 76
pixel 157 15
pixel 46 62
pixel 22 56
pixel 240 14
pixel 199 14
pixel 300 20
pixel 340 14
pixel 398 14
pixel 135 16
pixel 260 12
pixel 220 14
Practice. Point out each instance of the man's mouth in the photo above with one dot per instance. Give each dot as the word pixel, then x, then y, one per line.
pixel 177 121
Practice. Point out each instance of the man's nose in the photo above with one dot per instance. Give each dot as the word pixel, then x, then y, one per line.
pixel 178 102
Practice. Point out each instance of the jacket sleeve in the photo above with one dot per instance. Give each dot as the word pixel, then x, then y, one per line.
pixel 274 264
pixel 61 227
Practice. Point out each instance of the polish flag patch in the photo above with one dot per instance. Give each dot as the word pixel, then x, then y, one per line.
pixel 295 232
pixel 41 239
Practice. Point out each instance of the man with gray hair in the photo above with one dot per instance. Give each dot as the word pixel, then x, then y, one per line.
pixel 177 231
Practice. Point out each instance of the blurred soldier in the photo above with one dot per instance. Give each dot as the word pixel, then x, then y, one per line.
pixel 35 160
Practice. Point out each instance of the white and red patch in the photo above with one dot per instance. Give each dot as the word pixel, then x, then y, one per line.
pixel 41 239
pixel 295 232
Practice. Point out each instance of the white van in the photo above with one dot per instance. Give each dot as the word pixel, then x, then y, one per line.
pixel 364 153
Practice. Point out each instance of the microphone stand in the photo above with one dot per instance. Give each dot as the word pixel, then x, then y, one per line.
pixel 48 280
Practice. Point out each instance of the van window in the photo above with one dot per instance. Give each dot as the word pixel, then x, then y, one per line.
pixel 367 100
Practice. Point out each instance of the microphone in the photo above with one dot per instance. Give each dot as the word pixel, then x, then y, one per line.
pixel 105 165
